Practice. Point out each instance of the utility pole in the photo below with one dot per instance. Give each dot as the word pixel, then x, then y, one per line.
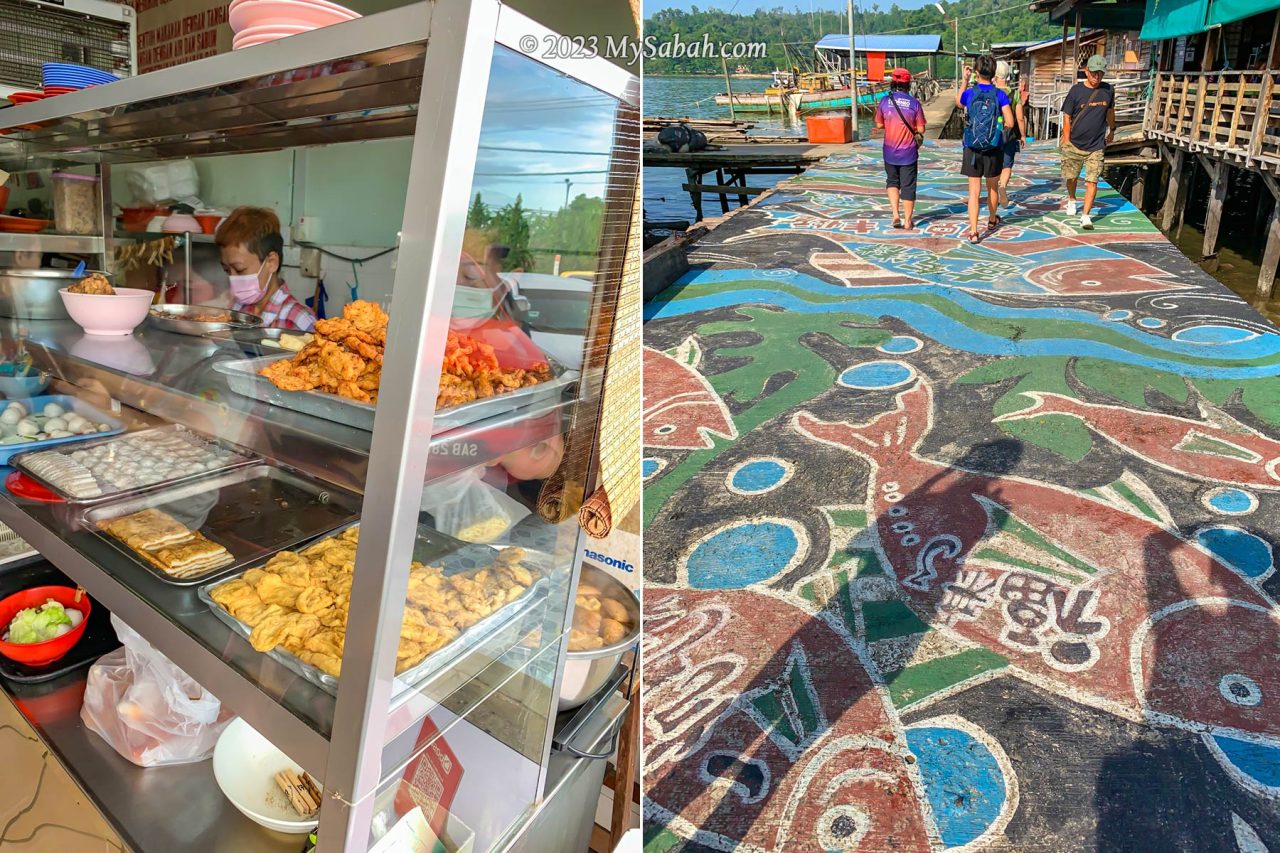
pixel 567 183
pixel 853 77
pixel 728 87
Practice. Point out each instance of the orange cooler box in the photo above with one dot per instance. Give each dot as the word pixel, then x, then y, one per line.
pixel 829 129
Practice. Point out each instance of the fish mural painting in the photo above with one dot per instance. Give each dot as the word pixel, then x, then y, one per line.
pixel 1218 448
pixel 1049 577
pixel 681 409
pixel 798 754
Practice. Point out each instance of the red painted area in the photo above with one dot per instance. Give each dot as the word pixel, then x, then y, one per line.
pixel 1104 275
pixel 681 409
pixel 712 660
pixel 1169 441
pixel 931 519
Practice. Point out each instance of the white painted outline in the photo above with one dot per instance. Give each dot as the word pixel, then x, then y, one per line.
pixel 1244 780
pixel 919 344
pixel 1250 334
pixel 788 471
pixel 662 464
pixel 911 375
pixel 1012 787
pixel 736 788
pixel 1217 490
pixel 1255 581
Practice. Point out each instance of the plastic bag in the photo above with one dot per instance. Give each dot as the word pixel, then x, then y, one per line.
pixel 150 711
pixel 467 508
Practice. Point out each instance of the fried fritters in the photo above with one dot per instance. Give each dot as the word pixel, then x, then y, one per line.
pixel 299 601
pixel 345 358
pixel 598 619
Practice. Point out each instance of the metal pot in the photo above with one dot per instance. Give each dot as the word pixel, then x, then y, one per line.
pixel 586 672
pixel 33 294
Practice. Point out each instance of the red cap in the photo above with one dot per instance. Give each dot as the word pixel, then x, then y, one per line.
pixel 901 75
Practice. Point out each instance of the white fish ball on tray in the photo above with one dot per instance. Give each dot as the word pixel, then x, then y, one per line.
pixel 53 410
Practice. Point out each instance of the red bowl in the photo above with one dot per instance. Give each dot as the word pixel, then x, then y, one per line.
pixel 40 654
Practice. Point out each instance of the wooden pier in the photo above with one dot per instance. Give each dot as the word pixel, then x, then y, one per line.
pixel 943 540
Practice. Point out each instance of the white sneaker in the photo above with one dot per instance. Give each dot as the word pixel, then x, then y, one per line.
pixel 1086 223
pixel 1071 207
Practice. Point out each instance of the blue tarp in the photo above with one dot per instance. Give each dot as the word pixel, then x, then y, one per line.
pixel 882 44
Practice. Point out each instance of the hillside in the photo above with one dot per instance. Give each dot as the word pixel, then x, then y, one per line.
pixel 801 29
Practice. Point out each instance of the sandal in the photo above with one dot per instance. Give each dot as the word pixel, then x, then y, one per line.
pixel 909 225
pixel 975 237
pixel 897 223
pixel 994 223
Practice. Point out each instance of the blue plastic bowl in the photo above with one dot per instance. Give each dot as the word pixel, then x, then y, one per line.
pixel 19 387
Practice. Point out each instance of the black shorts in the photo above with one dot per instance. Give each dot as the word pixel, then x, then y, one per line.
pixel 982 164
pixel 904 178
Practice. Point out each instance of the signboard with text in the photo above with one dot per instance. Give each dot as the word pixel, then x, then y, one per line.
pixel 171 32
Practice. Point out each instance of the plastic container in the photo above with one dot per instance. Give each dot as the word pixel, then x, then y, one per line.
pixel 164 181
pixel 77 208
pixel 834 129
pixel 108 314
pixel 40 654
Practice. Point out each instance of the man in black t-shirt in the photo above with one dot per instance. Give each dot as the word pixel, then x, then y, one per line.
pixel 1088 124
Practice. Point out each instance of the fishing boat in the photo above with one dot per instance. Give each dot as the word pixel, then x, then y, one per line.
pixel 808 92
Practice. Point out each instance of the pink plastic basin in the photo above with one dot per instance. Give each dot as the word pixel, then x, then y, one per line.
pixel 259 13
pixel 103 314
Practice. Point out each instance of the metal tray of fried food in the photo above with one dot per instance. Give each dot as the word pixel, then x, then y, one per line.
pixel 192 319
pixel 456 556
pixel 265 339
pixel 242 376
pixel 111 492
pixel 251 511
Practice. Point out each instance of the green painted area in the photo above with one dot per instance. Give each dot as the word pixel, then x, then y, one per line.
pixel 848 517
pixel 1062 434
pixel 913 683
pixel 1210 446
pixel 1004 560
pixel 1135 500
pixel 1035 541
pixel 1128 382
pixel 887 619
pixel 658 839
pixel 796 716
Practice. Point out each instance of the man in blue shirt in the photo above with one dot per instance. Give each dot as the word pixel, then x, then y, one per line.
pixel 984 106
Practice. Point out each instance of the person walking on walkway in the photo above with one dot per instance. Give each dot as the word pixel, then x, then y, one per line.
pixel 1013 135
pixel 901 117
pixel 985 108
pixel 1088 126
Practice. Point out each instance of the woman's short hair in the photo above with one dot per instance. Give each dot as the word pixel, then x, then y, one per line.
pixel 255 228
pixel 986 66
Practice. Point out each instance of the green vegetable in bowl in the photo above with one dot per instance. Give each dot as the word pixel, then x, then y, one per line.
pixel 43 623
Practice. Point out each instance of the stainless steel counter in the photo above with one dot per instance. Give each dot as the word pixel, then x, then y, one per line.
pixel 153 809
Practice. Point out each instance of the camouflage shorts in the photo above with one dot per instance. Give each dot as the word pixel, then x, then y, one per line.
pixel 1073 160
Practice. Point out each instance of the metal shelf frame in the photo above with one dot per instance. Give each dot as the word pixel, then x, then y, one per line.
pixel 235 103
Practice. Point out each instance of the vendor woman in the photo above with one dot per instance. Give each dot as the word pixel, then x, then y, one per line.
pixel 250 246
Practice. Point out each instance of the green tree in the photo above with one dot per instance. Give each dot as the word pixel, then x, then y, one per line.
pixel 511 227
pixel 479 214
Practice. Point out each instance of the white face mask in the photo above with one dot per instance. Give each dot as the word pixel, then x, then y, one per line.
pixel 473 303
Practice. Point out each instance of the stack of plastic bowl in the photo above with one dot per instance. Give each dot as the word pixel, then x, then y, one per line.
pixel 260 21
pixel 59 78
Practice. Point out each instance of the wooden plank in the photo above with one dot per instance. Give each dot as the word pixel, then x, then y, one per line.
pixel 1217 113
pixel 628 760
pixel 1271 255
pixel 1175 193
pixel 1220 176
pixel 1164 119
pixel 1262 117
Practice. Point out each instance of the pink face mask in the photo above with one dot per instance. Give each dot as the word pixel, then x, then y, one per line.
pixel 247 289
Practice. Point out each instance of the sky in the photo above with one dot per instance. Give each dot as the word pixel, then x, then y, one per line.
pixel 746 6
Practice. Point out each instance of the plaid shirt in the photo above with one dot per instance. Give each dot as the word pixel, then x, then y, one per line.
pixel 283 311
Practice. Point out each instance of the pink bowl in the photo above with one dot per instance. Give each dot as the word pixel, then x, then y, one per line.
pixel 258 13
pixel 323 4
pixel 108 314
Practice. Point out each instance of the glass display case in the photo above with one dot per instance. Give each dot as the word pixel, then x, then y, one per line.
pixel 365 545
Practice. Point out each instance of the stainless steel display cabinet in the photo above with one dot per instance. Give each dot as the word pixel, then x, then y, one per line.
pixel 486 115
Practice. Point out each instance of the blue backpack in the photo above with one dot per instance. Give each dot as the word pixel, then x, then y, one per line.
pixel 982 123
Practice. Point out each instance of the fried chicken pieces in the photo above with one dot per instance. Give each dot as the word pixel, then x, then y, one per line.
pixel 345 358
pixel 299 601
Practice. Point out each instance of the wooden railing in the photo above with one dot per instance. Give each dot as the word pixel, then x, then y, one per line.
pixel 1229 113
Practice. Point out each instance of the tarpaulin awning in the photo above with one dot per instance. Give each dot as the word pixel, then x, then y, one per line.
pixel 1226 11
pixel 1167 19
pixel 909 44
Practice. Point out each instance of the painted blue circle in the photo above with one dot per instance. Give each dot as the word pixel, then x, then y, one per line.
pixel 649 467
pixel 1117 315
pixel 1231 501
pixel 962 780
pixel 758 476
pixel 900 344
pixel 1241 550
pixel 1151 322
pixel 1213 334
pixel 1258 761
pixel 742 555
pixel 877 375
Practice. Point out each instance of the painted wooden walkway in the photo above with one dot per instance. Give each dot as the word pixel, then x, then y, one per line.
pixel 957 547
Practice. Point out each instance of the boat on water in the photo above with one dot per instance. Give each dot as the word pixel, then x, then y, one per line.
pixel 808 92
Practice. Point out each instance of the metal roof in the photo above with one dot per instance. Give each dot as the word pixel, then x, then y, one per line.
pixel 882 44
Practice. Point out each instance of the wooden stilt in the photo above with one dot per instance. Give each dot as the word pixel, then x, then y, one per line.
pixel 693 176
pixel 1271 254
pixel 724 199
pixel 1176 193
pixel 1138 195
pixel 1182 206
pixel 1219 179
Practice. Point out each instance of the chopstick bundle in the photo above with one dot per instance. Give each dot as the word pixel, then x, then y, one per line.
pixel 302 791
